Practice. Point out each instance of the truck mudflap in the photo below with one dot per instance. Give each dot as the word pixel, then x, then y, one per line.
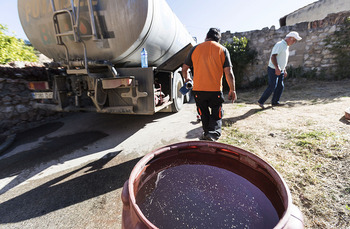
pixel 41 90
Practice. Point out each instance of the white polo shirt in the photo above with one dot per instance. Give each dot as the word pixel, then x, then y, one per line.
pixel 281 48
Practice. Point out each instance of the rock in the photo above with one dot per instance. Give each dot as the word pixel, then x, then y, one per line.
pixel 21 109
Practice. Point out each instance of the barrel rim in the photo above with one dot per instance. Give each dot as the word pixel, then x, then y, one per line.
pixel 141 165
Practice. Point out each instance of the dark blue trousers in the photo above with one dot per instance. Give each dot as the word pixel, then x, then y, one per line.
pixel 275 86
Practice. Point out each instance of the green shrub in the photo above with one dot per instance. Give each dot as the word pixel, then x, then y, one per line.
pixel 13 49
pixel 241 56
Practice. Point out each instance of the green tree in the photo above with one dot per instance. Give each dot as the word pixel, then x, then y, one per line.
pixel 339 45
pixel 241 57
pixel 13 49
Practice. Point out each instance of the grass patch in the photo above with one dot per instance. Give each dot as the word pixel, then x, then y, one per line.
pixel 312 162
pixel 235 137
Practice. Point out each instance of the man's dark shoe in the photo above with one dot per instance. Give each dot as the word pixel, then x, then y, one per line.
pixel 261 105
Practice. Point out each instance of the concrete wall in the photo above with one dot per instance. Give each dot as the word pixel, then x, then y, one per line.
pixel 309 53
pixel 317 11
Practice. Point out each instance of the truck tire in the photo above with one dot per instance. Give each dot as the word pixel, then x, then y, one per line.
pixel 178 98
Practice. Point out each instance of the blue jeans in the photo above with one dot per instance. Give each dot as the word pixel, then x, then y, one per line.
pixel 275 86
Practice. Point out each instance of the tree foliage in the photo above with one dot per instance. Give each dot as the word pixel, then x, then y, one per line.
pixel 13 49
pixel 339 45
pixel 241 57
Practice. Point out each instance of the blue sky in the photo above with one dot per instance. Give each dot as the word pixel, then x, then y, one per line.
pixel 199 15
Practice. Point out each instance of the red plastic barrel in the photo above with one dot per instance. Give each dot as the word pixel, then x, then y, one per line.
pixel 210 155
pixel 347 113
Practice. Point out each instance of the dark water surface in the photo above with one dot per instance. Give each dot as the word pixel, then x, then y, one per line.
pixel 204 196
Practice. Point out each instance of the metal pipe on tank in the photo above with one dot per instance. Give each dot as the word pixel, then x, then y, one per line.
pixel 92 18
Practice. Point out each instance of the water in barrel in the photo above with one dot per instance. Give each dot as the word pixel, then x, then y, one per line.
pixel 204 196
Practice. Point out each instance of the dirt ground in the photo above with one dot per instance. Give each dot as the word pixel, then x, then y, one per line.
pixel 307 140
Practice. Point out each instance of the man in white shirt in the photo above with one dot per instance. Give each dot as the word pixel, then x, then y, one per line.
pixel 277 69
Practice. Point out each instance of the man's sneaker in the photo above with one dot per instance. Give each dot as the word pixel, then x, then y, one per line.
pixel 208 137
pixel 261 105
pixel 203 137
pixel 212 137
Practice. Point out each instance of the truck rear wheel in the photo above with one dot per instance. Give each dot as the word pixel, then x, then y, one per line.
pixel 178 97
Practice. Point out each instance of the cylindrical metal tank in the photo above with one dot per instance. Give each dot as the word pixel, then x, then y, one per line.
pixel 117 31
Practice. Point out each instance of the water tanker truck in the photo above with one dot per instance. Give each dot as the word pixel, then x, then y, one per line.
pixel 98 45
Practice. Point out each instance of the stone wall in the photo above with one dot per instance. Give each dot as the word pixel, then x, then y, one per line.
pixel 309 53
pixel 17 110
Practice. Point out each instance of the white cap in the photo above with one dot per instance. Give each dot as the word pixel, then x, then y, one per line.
pixel 295 35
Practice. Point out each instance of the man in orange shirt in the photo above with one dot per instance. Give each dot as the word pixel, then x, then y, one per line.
pixel 209 61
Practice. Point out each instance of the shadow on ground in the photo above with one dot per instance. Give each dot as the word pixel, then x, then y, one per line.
pixel 344 120
pixel 230 121
pixel 50 149
pixel 57 149
pixel 55 194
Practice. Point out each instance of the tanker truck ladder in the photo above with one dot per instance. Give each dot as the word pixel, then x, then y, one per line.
pixel 73 13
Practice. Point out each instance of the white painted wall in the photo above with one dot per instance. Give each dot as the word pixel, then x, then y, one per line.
pixel 317 11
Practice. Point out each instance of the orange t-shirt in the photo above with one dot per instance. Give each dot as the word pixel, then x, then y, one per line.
pixel 208 60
